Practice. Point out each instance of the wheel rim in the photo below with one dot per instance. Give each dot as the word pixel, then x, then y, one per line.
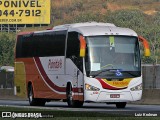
pixel 70 96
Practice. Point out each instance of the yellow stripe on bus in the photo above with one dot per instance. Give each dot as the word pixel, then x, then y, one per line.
pixel 118 84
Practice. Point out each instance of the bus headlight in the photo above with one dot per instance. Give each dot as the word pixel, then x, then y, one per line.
pixel 137 88
pixel 91 88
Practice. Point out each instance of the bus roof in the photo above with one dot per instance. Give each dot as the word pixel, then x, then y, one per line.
pixel 86 24
pixel 93 29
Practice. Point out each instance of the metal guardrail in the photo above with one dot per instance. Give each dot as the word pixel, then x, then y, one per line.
pixel 6 80
pixel 17 27
pixel 151 76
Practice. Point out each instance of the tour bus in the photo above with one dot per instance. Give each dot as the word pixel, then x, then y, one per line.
pixel 81 62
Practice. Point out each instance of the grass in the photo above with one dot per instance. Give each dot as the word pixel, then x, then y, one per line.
pixel 71 115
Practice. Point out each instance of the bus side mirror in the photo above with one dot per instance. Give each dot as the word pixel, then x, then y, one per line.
pixel 145 45
pixel 82 46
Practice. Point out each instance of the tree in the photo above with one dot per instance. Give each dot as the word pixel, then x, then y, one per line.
pixel 7 42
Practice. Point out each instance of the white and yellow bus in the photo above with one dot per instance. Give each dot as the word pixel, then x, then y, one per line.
pixel 81 62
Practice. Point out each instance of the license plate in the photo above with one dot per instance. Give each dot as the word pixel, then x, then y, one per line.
pixel 115 96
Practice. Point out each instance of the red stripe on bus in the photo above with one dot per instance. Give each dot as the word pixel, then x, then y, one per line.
pixel 46 78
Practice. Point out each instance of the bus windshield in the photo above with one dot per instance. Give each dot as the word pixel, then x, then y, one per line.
pixel 113 57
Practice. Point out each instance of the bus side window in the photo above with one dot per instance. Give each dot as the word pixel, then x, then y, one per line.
pixel 73 49
pixel 50 44
pixel 29 47
pixel 73 45
pixel 24 48
pixel 19 46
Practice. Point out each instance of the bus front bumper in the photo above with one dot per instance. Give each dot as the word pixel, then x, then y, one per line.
pixel 112 96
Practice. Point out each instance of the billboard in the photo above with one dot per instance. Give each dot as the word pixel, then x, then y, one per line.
pixel 24 11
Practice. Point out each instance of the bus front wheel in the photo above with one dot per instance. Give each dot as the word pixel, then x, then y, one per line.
pixel 121 104
pixel 70 101
pixel 34 101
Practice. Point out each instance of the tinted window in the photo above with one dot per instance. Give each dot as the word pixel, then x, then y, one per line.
pixel 73 45
pixel 41 44
pixel 73 49
pixel 23 44
pixel 19 47
pixel 50 44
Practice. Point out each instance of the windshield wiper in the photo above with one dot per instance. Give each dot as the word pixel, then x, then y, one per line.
pixel 101 71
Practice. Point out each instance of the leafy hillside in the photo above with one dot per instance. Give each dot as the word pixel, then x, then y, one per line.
pixel 67 10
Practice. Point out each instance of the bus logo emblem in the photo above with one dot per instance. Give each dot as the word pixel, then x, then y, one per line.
pixel 54 64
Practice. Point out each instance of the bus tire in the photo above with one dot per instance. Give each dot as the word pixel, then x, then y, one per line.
pixel 70 101
pixel 34 101
pixel 121 104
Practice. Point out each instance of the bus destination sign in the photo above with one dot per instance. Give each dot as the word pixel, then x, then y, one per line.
pixel 24 11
